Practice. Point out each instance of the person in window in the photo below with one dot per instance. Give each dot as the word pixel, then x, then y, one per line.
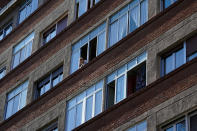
pixel 82 62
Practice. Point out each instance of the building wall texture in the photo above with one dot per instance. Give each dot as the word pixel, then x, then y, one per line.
pixel 164 99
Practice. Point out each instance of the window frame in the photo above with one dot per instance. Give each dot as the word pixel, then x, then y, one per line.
pixel 126 10
pixel 172 53
pixel 83 101
pixel 135 63
pixel 2 70
pixel 76 47
pixel 3 30
pixel 40 84
pixel 25 83
pixel 29 39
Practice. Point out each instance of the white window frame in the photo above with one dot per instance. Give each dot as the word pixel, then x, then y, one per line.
pixel 163 61
pixel 83 101
pixel 89 38
pixel 128 19
pixel 127 69
pixel 28 40
pixel 15 95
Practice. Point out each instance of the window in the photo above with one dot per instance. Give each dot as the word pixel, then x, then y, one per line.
pixel 88 48
pixel 179 126
pixel 16 99
pixel 179 55
pixel 174 59
pixel 126 80
pixel 166 3
pixel 127 20
pixel 51 127
pixel 84 106
pixel 56 29
pixel 193 122
pixel 191 50
pixel 2 72
pixel 5 31
pixel 142 126
pixel 50 81
pixel 83 5
pixel 27 8
pixel 186 123
pixel 22 50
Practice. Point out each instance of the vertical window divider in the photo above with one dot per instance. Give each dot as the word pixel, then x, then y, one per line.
pixel 83 110
pixel 185 57
pixel 93 104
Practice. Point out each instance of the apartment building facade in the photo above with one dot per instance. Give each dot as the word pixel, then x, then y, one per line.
pixel 127 65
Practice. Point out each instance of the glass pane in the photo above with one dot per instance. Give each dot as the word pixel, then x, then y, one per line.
pixel 71 102
pixel 22 15
pixel 8 29
pixel 23 99
pixel 167 3
pixel 142 126
pixel 96 1
pixel 101 43
pixel 180 126
pixel 79 114
pixel 192 56
pixel 53 34
pixel 90 90
pixel 89 104
pixel 42 91
pixel 144 12
pixel 113 36
pixel 1 35
pixel 9 108
pixel 28 10
pixel 179 58
pixel 23 55
pixel 82 7
pixel 123 25
pixel 131 129
pixel 29 49
pixel 74 60
pixel 34 5
pixel 98 103
pixel 169 65
pixel 132 64
pixel 81 96
pixel 99 85
pixel 134 18
pixel 142 57
pixel 169 129
pixel 16 60
pixel 55 81
pixel 111 77
pixel 70 119
pixel 120 88
pixel 47 87
pixel 16 104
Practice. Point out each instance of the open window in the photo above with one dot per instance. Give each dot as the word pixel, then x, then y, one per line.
pixel 110 94
pixel 128 79
pixel 136 79
pixel 92 48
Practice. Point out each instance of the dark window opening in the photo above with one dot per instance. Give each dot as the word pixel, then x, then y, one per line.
pixel 89 4
pixel 191 50
pixel 77 10
pixel 84 51
pixel 110 94
pixel 92 49
pixel 94 2
pixel 136 79
pixel 193 123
